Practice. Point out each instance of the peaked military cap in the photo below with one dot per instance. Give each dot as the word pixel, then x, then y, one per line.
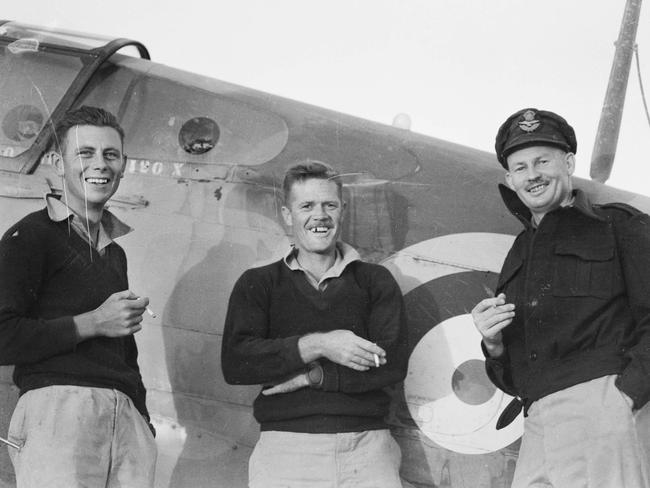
pixel 532 127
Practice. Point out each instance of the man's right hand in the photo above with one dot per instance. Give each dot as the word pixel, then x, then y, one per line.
pixel 120 315
pixel 343 347
pixel 490 317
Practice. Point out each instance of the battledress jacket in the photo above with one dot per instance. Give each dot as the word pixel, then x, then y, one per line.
pixel 580 283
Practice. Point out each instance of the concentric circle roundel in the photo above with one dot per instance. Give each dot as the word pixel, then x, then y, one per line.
pixel 447 391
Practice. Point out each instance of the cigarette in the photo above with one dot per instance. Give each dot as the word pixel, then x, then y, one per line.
pixel 9 443
pixel 376 360
pixel 150 312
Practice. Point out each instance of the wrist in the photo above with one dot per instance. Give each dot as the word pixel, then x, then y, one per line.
pixel 315 375
pixel 309 347
pixel 84 326
pixel 494 350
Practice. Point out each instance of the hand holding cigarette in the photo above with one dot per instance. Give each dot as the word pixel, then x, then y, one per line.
pixel 120 315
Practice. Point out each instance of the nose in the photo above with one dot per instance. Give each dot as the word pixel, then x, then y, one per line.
pixel 532 173
pixel 100 162
pixel 319 211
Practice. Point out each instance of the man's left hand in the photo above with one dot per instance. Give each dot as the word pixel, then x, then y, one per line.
pixel 292 384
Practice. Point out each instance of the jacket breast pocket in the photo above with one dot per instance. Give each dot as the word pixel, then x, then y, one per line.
pixel 584 270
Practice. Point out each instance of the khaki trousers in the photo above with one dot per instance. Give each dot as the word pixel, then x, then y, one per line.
pixel 75 437
pixel 369 459
pixel 584 436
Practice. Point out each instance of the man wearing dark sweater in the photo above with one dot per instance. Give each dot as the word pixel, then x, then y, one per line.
pixel 323 333
pixel 67 321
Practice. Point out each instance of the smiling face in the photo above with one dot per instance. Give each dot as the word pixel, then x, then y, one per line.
pixel 541 176
pixel 314 210
pixel 91 164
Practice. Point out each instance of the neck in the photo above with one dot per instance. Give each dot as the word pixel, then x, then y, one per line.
pixel 538 216
pixel 92 215
pixel 90 218
pixel 317 264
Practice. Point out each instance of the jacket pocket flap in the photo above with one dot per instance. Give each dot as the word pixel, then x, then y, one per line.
pixel 586 253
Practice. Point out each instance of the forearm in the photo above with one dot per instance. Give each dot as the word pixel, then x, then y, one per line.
pixel 633 239
pixel 346 380
pixel 255 361
pixel 24 340
pixel 498 370
pixel 634 380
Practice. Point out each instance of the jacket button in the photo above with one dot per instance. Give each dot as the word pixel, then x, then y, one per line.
pixel 533 356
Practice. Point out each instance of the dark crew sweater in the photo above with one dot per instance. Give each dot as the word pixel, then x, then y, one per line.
pixel 48 274
pixel 271 307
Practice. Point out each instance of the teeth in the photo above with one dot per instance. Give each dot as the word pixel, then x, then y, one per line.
pixel 318 229
pixel 537 188
pixel 97 181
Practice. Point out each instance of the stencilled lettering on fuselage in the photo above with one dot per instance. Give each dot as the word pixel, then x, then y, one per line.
pixel 159 168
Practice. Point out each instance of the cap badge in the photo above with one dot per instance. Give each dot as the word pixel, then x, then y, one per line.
pixel 529 124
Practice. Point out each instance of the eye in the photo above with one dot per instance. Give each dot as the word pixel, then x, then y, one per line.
pixel 86 153
pixel 112 155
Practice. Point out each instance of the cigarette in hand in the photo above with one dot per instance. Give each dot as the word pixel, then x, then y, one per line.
pixel 376 360
pixel 150 312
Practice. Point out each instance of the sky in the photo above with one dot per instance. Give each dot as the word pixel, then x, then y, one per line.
pixel 458 68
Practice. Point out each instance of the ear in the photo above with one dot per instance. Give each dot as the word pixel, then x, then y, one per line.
pixel 509 181
pixel 286 215
pixel 124 159
pixel 570 159
pixel 56 160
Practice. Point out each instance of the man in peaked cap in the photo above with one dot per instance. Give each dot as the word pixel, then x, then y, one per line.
pixel 568 332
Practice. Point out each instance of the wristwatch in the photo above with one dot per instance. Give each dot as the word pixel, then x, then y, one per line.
pixel 315 374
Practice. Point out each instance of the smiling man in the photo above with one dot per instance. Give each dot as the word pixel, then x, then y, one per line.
pixel 323 333
pixel 568 333
pixel 67 320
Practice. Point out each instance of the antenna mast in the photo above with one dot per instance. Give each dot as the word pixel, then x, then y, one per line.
pixel 602 158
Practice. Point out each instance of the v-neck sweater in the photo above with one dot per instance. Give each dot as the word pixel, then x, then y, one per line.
pixel 271 307
pixel 49 274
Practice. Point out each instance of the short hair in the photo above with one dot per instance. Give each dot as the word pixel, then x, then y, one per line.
pixel 307 170
pixel 84 115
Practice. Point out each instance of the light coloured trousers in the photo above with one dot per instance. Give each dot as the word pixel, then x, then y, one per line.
pixel 584 436
pixel 369 459
pixel 74 437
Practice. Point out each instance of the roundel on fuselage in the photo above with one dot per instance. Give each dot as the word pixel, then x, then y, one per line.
pixel 447 392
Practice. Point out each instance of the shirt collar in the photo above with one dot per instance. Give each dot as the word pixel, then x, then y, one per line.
pixel 518 209
pixel 345 254
pixel 110 226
